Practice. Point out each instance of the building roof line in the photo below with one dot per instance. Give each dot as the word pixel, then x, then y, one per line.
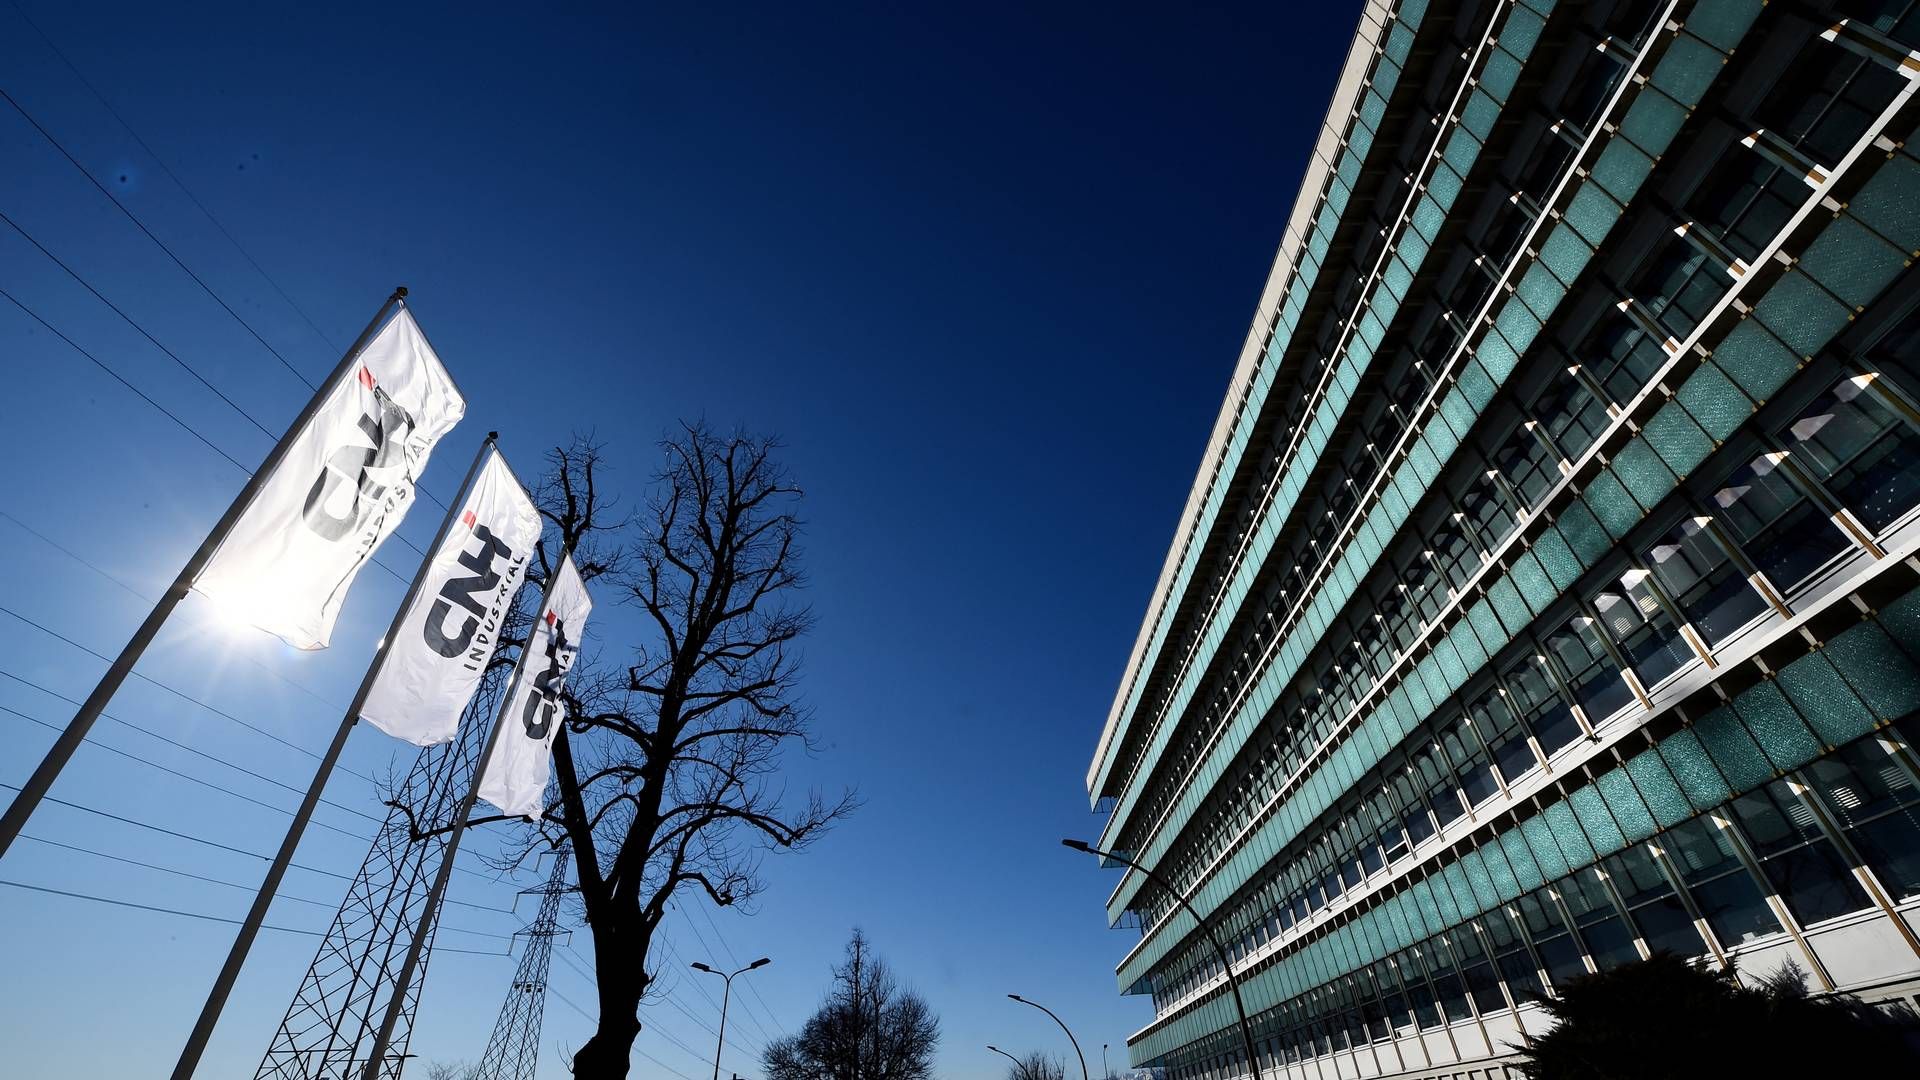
pixel 1375 20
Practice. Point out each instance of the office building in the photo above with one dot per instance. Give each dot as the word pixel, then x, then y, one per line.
pixel 1547 595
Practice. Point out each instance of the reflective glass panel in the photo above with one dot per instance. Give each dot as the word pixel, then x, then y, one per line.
pixel 1703 580
pixel 1783 531
pixel 1866 453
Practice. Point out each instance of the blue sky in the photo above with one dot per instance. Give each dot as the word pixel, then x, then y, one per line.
pixel 985 270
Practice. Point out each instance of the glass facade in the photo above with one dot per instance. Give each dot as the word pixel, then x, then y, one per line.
pixel 1548 596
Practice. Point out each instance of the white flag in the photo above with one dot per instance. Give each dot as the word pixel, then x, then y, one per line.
pixel 443 645
pixel 516 772
pixel 346 481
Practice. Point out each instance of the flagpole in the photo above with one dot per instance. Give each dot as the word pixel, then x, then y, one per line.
pixel 460 814
pixel 63 749
pixel 263 899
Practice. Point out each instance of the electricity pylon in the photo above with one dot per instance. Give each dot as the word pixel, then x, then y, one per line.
pixel 329 1028
pixel 513 1051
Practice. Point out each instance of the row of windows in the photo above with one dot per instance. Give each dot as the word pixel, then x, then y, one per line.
pixel 1801 848
pixel 1732 557
pixel 1444 74
pixel 1812 117
pixel 1310 365
pixel 1566 415
pixel 1781 490
pixel 1411 376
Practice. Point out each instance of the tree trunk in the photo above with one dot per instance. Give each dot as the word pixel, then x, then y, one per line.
pixel 607 1054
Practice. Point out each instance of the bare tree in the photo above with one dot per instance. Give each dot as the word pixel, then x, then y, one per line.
pixel 667 767
pixel 450 1070
pixel 1038 1066
pixel 869 1028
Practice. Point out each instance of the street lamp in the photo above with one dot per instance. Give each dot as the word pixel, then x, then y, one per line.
pixel 1106 1070
pixel 1063 1027
pixel 725 994
pixel 1226 966
pixel 1019 1065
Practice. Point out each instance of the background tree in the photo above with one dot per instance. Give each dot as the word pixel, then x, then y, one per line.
pixel 869 1028
pixel 1665 1017
pixel 667 766
pixel 1038 1066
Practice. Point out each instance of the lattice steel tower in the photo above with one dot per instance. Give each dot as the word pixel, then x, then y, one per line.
pixel 330 1026
pixel 513 1051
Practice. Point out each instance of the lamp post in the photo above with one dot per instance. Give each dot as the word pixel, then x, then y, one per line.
pixel 1106 1070
pixel 1063 1027
pixel 1226 966
pixel 1019 1066
pixel 726 994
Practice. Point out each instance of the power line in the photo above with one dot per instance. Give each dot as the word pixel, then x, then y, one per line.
pixel 69 553
pixel 177 182
pixel 181 694
pixel 138 595
pixel 188 777
pixel 733 961
pixel 656 1028
pixel 97 362
pixel 164 411
pixel 131 216
pixel 591 1020
pixel 225 715
pixel 197 752
pixel 579 969
pixel 328 904
pixel 129 320
pixel 739 1038
pixel 204 842
pixel 141 225
pixel 170 870
pixel 751 988
pixel 207 783
pixel 201 915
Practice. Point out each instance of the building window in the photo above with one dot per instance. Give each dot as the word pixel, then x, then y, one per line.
pixel 1608 938
pixel 1527 465
pixel 1488 512
pixel 1652 904
pixel 1590 88
pixel 1747 201
pixel 1447 987
pixel 1560 954
pixel 1589 668
pixel 1534 699
pixel 1898 19
pixel 1827 99
pixel 1854 441
pixel 1511 956
pixel 1571 417
pixel 1803 865
pixel 1621 358
pixel 1786 534
pixel 1393 999
pixel 1470 762
pixel 1726 894
pixel 1679 286
pixel 1426 1008
pixel 1505 736
pixel 1641 627
pixel 1872 794
pixel 1413 816
pixel 1704 582
pixel 1476 967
